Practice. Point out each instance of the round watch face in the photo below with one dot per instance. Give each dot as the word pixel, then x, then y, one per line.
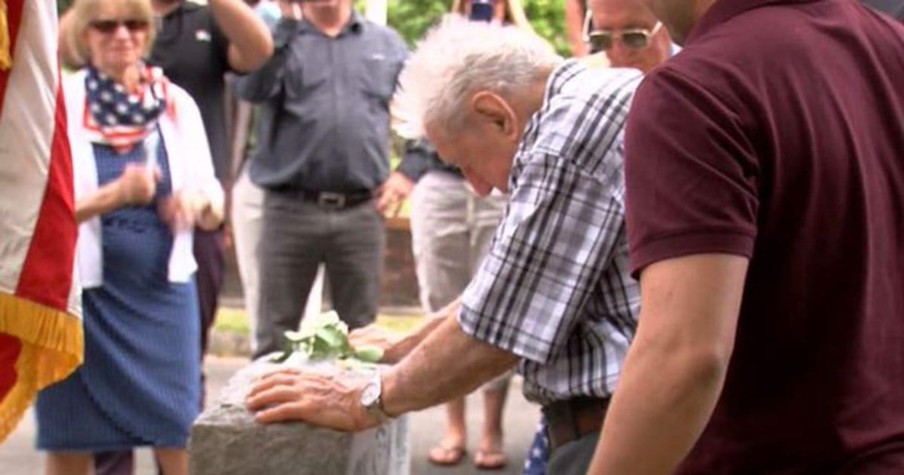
pixel 370 393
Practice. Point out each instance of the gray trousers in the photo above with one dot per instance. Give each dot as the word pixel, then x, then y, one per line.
pixel 298 236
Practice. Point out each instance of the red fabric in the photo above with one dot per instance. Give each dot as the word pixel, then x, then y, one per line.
pixel 10 347
pixel 47 273
pixel 13 20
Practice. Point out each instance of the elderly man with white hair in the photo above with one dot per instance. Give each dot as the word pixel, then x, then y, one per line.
pixel 554 291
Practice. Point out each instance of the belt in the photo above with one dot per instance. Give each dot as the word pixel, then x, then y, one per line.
pixel 331 199
pixel 572 419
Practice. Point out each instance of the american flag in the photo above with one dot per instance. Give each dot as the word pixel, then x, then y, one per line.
pixel 41 338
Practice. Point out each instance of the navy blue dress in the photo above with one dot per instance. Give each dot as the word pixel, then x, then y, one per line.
pixel 140 383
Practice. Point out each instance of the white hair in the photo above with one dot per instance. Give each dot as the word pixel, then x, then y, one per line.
pixel 458 58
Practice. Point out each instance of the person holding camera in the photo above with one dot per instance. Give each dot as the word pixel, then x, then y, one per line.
pixel 322 155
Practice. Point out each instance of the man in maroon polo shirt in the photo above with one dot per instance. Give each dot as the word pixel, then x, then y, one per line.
pixel 765 213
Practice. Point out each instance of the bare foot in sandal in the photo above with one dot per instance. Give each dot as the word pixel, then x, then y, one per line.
pixel 447 452
pixel 491 455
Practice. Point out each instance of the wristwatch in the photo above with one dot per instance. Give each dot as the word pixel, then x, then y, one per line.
pixel 372 399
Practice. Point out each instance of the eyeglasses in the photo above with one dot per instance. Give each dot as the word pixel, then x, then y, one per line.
pixel 603 40
pixel 108 27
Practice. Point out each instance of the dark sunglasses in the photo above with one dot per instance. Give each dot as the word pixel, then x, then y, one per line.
pixel 108 27
pixel 603 40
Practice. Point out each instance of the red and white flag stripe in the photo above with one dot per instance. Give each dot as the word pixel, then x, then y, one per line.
pixel 41 337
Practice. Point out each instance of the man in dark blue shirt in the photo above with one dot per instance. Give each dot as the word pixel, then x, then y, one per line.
pixel 322 156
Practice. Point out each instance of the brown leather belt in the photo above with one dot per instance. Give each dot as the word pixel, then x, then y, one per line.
pixel 573 418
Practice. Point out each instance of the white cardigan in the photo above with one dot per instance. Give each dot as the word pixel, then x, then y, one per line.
pixel 190 169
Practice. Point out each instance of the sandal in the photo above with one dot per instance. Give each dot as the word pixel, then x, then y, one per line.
pixel 446 455
pixel 490 460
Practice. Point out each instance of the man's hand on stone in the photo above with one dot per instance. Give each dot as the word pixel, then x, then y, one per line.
pixel 321 400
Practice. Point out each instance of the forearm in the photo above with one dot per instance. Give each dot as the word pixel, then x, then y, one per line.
pixel 107 198
pixel 407 344
pixel 249 38
pixel 675 369
pixel 653 422
pixel 264 82
pixel 448 364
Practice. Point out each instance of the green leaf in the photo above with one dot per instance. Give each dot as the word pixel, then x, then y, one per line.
pixel 326 337
pixel 370 354
pixel 294 337
pixel 334 338
pixel 319 349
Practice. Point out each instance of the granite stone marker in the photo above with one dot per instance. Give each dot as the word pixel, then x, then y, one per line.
pixel 225 439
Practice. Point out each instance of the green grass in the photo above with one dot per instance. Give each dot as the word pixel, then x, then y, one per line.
pixel 235 320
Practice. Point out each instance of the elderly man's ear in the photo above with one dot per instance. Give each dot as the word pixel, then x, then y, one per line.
pixel 491 110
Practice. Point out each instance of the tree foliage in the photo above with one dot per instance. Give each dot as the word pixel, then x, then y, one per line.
pixel 412 18
pixel 62 5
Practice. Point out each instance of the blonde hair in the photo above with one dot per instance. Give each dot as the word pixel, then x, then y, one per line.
pixel 86 11
pixel 514 13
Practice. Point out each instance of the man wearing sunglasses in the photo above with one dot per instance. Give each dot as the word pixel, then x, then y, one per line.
pixel 628 33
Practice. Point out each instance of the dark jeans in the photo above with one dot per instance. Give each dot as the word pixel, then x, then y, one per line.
pixel 298 236
pixel 574 457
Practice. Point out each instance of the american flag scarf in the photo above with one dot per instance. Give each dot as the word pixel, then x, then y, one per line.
pixel 123 118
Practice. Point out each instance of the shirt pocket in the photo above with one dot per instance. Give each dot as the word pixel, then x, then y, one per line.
pixel 303 77
pixel 378 76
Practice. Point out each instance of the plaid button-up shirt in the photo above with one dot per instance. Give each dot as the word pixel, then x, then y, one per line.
pixel 555 287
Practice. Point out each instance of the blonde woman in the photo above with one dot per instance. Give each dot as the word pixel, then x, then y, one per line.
pixel 143 181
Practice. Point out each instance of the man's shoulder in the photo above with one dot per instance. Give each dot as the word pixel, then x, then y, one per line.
pixel 583 117
pixel 373 28
pixel 577 89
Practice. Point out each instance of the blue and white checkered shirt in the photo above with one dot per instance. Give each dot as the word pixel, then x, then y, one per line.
pixel 555 288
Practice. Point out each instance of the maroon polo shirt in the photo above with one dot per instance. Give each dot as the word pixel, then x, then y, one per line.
pixel 778 134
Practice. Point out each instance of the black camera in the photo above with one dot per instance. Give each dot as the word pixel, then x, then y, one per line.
pixel 482 10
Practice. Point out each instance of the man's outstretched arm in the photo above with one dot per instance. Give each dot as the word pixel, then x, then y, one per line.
pixel 446 365
pixel 676 366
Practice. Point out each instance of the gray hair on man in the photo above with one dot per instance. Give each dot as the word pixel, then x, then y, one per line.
pixel 458 58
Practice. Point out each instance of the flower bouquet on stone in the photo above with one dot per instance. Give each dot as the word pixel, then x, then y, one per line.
pixel 325 337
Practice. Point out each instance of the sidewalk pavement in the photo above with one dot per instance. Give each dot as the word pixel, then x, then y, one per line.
pixel 18 456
